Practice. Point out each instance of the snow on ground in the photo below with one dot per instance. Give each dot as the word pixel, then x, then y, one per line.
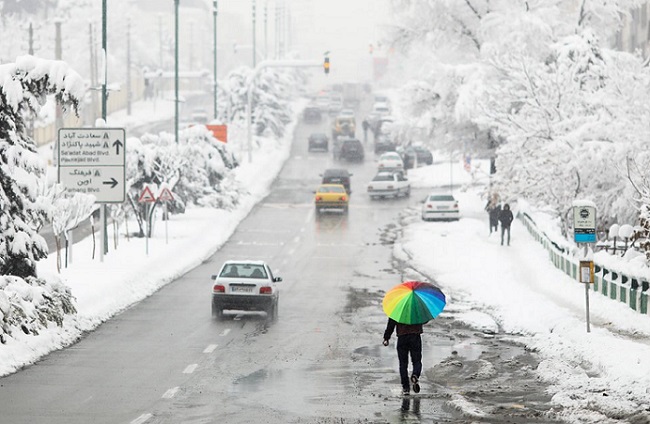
pixel 518 286
pixel 512 289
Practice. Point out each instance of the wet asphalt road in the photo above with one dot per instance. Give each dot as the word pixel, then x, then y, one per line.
pixel 166 361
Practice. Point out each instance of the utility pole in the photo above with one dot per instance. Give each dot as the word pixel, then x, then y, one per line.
pixel 266 35
pixel 176 108
pixel 93 72
pixel 31 39
pixel 160 40
pixel 104 209
pixel 254 25
pixel 129 94
pixel 215 12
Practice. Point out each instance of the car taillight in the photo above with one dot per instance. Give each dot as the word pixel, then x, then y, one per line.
pixel 218 288
pixel 318 198
pixel 390 186
pixel 369 188
pixel 429 206
pixel 381 165
pixel 266 290
pixel 455 205
pixel 343 198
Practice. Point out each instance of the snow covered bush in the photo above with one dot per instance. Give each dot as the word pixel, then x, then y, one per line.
pixel 196 170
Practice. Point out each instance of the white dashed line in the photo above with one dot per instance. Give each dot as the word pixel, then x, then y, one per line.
pixel 225 332
pixel 142 419
pixel 296 239
pixel 210 348
pixel 190 369
pixel 170 393
pixel 291 252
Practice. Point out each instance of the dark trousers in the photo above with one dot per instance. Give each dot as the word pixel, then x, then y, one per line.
pixel 503 230
pixel 409 344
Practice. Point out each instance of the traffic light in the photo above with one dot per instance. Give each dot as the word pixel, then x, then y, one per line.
pixel 326 65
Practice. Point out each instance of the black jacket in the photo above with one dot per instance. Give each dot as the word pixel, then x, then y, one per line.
pixel 505 217
pixel 402 329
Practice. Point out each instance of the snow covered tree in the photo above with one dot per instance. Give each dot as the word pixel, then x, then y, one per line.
pixel 26 301
pixel 22 86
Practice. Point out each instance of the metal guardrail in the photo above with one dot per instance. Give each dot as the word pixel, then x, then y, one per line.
pixel 611 283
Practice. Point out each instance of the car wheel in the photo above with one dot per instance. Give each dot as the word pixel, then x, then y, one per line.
pixel 345 210
pixel 318 211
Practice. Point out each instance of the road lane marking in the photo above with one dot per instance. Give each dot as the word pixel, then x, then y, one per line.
pixel 296 239
pixel 225 332
pixel 190 369
pixel 170 393
pixel 142 419
pixel 210 348
pixel 291 252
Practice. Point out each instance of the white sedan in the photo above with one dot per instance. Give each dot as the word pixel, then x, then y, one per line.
pixel 390 161
pixel 440 207
pixel 245 286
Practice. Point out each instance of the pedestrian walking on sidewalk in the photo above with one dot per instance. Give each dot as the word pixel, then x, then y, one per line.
pixel 505 217
pixel 493 209
pixel 365 126
pixel 409 342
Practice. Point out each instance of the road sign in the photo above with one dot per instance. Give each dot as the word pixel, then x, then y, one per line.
pixel 147 196
pixel 92 161
pixel 165 195
pixel 584 224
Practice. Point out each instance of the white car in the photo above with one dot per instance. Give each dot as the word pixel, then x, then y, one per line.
pixel 390 161
pixel 245 285
pixel 440 207
pixel 386 184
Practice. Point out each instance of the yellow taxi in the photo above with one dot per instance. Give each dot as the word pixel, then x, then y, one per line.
pixel 331 196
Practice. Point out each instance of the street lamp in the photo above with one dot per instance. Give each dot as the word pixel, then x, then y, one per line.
pixel 254 52
pixel 214 18
pixel 176 4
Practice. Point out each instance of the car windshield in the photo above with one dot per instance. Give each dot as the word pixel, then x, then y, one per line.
pixel 331 189
pixel 392 156
pixel 243 271
pixel 441 198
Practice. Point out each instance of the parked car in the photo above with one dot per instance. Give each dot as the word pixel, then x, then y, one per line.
pixel 386 184
pixel 337 176
pixel 245 286
pixel 440 207
pixel 390 161
pixel 317 141
pixel 347 112
pixel 331 196
pixel 312 115
pixel 411 153
pixel 349 149
pixel 343 126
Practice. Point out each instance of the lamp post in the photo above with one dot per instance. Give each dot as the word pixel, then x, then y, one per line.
pixel 103 209
pixel 254 52
pixel 176 4
pixel 214 18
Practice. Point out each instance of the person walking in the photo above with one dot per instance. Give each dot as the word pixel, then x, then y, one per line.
pixel 365 125
pixel 505 217
pixel 409 342
pixel 493 209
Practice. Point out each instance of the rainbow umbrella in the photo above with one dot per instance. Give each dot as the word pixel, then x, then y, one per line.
pixel 413 302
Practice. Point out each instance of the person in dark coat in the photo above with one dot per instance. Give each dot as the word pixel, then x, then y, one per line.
pixel 365 125
pixel 408 342
pixel 505 217
pixel 493 209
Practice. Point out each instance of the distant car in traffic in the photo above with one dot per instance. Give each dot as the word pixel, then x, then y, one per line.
pixel 312 115
pixel 245 285
pixel 344 126
pixel 346 112
pixel 438 206
pixel 411 154
pixel 390 161
pixel 383 143
pixel 317 141
pixel 331 196
pixel 349 149
pixel 386 184
pixel 338 176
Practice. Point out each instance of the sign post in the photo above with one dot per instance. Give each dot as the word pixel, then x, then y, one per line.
pixel 584 231
pixel 92 161
pixel 166 196
pixel 147 197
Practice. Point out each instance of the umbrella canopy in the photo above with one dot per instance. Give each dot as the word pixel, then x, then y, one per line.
pixel 413 302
